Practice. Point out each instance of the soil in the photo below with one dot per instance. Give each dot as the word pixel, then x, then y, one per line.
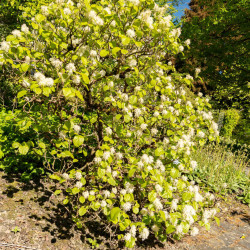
pixel 30 218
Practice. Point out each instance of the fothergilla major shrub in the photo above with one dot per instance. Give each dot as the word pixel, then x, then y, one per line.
pixel 110 118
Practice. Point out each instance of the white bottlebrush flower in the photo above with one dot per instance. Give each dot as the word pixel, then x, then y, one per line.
pixel 174 204
pixel 92 192
pixel 106 155
pixel 201 134
pixel 97 160
pixel 111 84
pixel 49 82
pixel 26 84
pixel 155 228
pixel 126 206
pixel 197 71
pixel 194 231
pixel 40 78
pixel 144 233
pixel 123 191
pixel 85 194
pixel 78 184
pixel 187 42
pixel 193 164
pixel 179 229
pixel 132 63
pixel 198 197
pixel 70 67
pixel 114 174
pixel 67 11
pixel 113 23
pixel 93 53
pixel 181 48
pixel 133 230
pixel 16 33
pixel 77 128
pixel 158 188
pixel 24 28
pixel 127 237
pixel 108 131
pixel 76 79
pixel 130 33
pixel 129 187
pixel 134 2
pixel 144 126
pixel 78 175
pixel 44 10
pixel 114 190
pixel 157 203
pixel 106 193
pixel 156 114
pixel 144 211
pixel 56 63
pixel 154 131
pixel 65 176
pixel 119 155
pixel 103 203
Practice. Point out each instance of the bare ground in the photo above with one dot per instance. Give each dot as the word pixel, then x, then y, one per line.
pixel 30 218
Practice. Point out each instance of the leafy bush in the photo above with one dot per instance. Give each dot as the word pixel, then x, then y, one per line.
pixel 231 120
pixel 223 170
pixel 104 113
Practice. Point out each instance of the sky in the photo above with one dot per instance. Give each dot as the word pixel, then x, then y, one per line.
pixel 181 9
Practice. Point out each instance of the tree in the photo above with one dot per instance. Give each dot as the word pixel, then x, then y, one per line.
pixel 108 118
pixel 220 47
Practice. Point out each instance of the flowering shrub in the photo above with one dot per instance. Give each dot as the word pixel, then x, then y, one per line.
pixel 108 117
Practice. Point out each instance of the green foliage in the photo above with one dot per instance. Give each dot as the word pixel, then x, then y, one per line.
pixel 220 48
pixel 231 119
pixel 100 110
pixel 223 170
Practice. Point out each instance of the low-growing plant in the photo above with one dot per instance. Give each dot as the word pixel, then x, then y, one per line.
pixel 110 118
pixel 223 170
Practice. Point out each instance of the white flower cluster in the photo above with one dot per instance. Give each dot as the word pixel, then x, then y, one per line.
pixel 95 18
pixel 42 80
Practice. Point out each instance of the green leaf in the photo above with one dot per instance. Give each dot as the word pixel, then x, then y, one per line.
pixel 15 144
pixel 23 149
pixel 111 181
pixel 101 172
pixel 186 196
pixel 65 201
pixel 115 50
pixel 57 192
pixel 82 199
pixel 152 196
pixel 124 51
pixel 127 118
pixel 133 99
pixel 82 211
pixel 85 78
pixel 68 93
pixel 78 140
pixel 75 190
pixel 39 18
pixel 217 220
pixel 115 214
pixel 159 151
pixel 24 67
pixel 21 93
pixel 104 53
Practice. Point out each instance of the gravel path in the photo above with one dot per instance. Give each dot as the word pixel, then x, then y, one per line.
pixel 30 219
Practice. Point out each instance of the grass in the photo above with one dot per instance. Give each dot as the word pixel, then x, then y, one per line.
pixel 223 171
